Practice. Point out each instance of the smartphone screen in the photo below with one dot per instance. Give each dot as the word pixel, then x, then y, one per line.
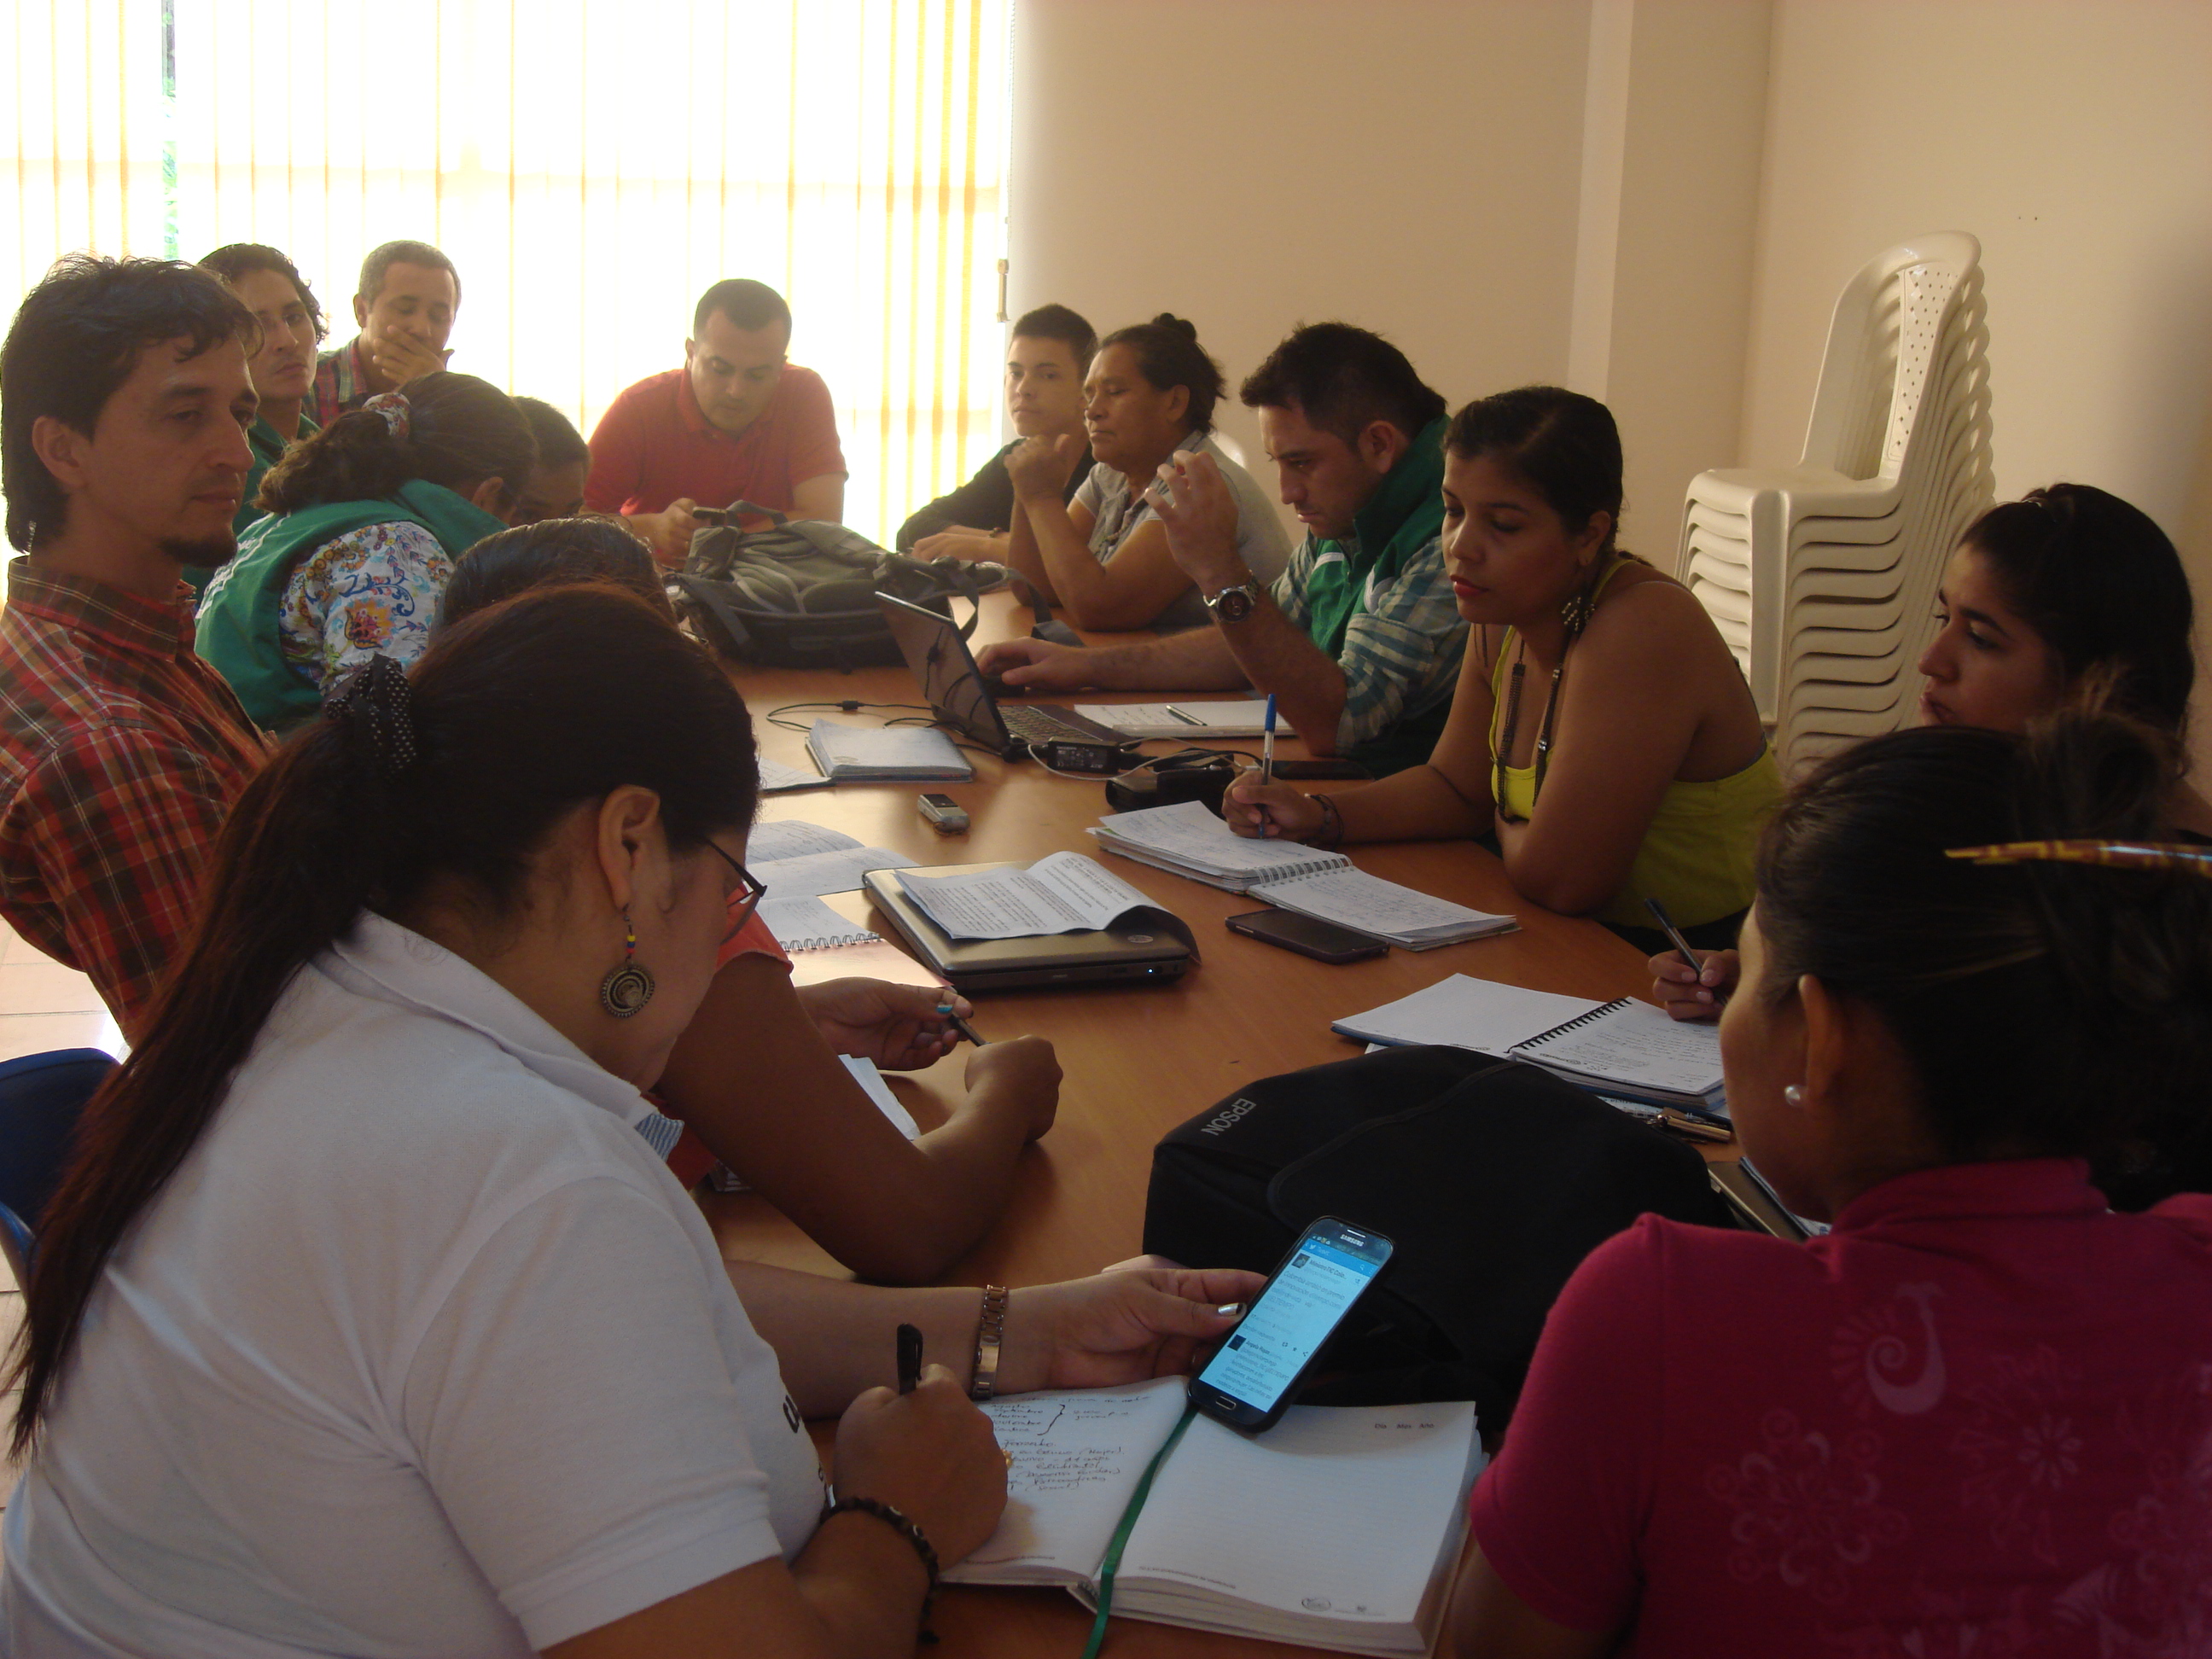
pixel 1249 1380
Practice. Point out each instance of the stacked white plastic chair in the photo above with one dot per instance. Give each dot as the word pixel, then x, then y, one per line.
pixel 1822 577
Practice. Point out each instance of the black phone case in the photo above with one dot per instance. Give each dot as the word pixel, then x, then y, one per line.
pixel 1324 941
pixel 1203 1396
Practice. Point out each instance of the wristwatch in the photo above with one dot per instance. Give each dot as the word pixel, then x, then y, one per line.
pixel 1234 603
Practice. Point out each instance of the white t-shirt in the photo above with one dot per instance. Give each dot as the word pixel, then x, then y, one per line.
pixel 1116 511
pixel 422 1351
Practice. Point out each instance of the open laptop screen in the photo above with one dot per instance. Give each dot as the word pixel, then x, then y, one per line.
pixel 946 671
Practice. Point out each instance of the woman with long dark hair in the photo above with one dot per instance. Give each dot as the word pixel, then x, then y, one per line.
pixel 1975 1416
pixel 367 1318
pixel 2068 592
pixel 1600 731
pixel 365 520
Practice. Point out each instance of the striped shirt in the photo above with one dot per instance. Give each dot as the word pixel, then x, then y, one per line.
pixel 1402 652
pixel 120 752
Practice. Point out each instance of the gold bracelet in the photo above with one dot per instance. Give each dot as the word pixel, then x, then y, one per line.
pixel 990 1333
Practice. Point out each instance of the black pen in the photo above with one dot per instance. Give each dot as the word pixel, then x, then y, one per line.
pixel 1667 926
pixel 909 1358
pixel 958 1023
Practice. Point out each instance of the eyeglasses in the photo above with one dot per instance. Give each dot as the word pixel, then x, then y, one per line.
pixel 750 891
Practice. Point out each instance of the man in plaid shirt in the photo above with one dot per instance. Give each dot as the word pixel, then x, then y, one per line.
pixel 1360 638
pixel 124 401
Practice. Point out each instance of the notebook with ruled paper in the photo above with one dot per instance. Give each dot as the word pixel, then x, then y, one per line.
pixel 1621 1048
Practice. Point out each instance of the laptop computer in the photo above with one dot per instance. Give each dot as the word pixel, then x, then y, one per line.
pixel 1145 947
pixel 945 670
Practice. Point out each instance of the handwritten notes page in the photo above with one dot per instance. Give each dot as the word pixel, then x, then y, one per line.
pixel 1368 904
pixel 1065 893
pixel 1077 1460
pixel 1336 1528
pixel 1635 1043
pixel 1189 839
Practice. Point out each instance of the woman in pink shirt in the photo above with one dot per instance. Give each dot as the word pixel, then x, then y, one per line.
pixel 1976 1417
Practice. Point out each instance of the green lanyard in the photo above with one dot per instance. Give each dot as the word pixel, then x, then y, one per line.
pixel 1113 1562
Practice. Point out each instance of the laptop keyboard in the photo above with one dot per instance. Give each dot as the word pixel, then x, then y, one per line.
pixel 1042 723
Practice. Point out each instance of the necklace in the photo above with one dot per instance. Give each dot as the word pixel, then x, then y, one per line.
pixel 1577 616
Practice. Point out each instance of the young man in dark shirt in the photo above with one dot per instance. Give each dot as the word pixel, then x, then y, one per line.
pixel 1046 360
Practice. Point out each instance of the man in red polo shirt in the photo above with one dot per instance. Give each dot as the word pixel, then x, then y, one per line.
pixel 736 422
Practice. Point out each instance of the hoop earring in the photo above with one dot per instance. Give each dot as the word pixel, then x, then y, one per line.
pixel 628 987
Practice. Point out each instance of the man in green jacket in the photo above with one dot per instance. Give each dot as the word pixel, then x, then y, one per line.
pixel 1360 639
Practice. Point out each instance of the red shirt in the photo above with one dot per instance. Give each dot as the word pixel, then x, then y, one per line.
pixel 120 752
pixel 1974 1419
pixel 653 445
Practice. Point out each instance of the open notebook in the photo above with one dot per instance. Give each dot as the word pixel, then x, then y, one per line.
pixel 1188 839
pixel 1338 1527
pixel 1621 1048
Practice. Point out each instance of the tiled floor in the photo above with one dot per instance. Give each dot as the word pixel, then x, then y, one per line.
pixel 43 1005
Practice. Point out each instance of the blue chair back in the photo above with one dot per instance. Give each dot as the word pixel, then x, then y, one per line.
pixel 40 1098
pixel 16 1246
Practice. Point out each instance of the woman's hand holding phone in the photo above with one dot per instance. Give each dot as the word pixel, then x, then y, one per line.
pixel 1125 1326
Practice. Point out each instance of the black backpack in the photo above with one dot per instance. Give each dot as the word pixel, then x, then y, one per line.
pixel 1494 1178
pixel 802 593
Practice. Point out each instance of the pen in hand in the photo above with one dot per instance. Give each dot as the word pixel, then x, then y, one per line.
pixel 944 1010
pixel 1268 762
pixel 909 1358
pixel 1673 934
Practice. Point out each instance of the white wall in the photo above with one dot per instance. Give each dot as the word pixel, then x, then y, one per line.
pixel 1410 165
pixel 2075 138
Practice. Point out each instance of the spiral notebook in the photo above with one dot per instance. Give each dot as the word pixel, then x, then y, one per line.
pixel 1621 1048
pixel 1189 839
pixel 825 946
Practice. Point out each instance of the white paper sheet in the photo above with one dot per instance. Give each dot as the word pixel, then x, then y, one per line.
pixel 776 775
pixel 1065 893
pixel 1188 832
pixel 1465 1012
pixel 791 838
pixel 836 871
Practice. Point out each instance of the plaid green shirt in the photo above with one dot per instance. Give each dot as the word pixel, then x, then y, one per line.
pixel 1402 652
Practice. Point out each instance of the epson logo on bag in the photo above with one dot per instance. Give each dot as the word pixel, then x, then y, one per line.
pixel 1226 1118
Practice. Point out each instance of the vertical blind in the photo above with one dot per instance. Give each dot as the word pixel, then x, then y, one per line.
pixel 590 165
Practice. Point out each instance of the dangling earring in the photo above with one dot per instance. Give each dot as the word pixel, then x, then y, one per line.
pixel 1793 1095
pixel 628 987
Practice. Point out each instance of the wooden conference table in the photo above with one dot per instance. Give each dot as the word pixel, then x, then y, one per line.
pixel 1137 1061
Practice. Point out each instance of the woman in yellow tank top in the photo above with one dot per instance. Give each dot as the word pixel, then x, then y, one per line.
pixel 1601 729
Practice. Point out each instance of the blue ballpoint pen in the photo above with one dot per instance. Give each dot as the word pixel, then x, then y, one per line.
pixel 1267 758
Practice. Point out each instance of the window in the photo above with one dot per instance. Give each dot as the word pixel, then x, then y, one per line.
pixel 590 165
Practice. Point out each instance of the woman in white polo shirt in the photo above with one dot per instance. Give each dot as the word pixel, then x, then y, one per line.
pixel 365 1319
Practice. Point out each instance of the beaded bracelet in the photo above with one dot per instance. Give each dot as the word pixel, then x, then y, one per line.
pixel 1330 837
pixel 898 1522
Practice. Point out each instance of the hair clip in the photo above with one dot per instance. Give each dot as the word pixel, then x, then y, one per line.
pixel 2118 854
pixel 398 414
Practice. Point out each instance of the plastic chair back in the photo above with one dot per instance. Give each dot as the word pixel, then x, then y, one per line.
pixel 41 1096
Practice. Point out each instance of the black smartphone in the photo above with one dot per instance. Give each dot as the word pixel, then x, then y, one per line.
pixel 1324 941
pixel 1254 1374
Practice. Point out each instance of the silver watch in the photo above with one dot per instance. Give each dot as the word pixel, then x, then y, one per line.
pixel 1234 603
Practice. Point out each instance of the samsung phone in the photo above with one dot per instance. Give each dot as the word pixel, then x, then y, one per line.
pixel 1309 936
pixel 1254 1374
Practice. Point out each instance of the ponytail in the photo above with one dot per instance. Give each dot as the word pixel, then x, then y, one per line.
pixel 449 430
pixel 453 774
